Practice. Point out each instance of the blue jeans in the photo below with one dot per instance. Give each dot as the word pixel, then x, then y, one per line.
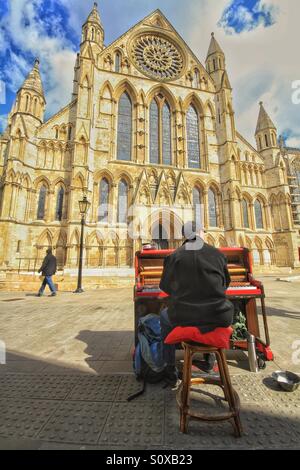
pixel 169 350
pixel 47 281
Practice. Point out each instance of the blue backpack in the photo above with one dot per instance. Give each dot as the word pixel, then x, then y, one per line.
pixel 148 362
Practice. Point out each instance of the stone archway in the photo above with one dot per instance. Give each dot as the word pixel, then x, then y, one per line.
pixel 160 236
pixel 166 229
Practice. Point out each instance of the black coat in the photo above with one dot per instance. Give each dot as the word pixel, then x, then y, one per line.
pixel 49 265
pixel 196 280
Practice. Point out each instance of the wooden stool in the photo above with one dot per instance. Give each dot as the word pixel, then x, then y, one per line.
pixel 183 393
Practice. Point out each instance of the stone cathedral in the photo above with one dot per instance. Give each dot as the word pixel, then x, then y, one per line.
pixel 147 126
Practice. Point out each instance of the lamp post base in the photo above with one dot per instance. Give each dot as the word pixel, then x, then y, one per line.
pixel 79 291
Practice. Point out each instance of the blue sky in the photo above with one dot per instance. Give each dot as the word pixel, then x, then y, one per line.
pixel 253 34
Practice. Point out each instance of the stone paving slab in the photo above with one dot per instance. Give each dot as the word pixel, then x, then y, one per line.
pixel 103 388
pixel 24 418
pixel 129 386
pixel 50 387
pixel 134 424
pixel 76 422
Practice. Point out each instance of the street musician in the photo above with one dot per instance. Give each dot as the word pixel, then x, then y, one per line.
pixel 195 277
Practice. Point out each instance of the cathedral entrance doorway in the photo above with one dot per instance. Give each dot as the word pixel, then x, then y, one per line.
pixel 160 237
pixel 166 230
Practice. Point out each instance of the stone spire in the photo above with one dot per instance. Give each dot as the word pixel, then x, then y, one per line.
pixel 33 81
pixel 215 63
pixel 94 16
pixel 214 47
pixel 266 131
pixel 264 121
pixel 30 100
pixel 93 30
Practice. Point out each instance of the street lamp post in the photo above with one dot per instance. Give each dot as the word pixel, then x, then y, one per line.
pixel 84 204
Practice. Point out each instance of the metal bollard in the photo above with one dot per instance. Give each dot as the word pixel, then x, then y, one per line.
pixel 252 353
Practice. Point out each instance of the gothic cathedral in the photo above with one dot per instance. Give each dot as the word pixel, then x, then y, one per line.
pixel 148 127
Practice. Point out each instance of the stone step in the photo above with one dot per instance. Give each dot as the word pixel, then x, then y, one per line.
pixel 31 283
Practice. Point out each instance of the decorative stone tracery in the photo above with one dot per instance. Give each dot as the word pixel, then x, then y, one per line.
pixel 157 57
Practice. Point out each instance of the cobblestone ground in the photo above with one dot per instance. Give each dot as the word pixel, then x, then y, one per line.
pixel 68 374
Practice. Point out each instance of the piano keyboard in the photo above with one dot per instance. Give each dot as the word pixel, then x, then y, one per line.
pixel 237 288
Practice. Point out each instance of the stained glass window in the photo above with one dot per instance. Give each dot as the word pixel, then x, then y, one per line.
pixel 166 133
pixel 197 207
pixel 245 214
pixel 258 215
pixel 193 140
pixel 124 128
pixel 42 203
pixel 122 202
pixel 117 62
pixel 103 201
pixel 59 204
pixel 160 132
pixel 154 133
pixel 212 208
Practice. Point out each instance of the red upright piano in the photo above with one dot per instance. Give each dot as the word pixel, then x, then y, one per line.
pixel 148 298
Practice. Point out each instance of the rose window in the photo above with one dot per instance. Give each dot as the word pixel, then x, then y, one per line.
pixel 157 57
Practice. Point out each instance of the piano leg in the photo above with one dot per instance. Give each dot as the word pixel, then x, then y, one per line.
pixel 252 318
pixel 264 315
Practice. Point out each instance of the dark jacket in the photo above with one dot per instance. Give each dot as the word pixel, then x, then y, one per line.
pixel 196 280
pixel 48 267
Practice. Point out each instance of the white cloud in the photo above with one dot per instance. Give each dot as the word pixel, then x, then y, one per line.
pixel 3 121
pixel 293 142
pixel 262 64
pixel 27 32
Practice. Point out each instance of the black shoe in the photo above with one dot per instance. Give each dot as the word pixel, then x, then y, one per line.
pixel 171 376
pixel 204 366
pixel 53 294
pixel 39 295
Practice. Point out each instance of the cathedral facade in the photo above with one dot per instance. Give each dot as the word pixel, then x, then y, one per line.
pixel 150 138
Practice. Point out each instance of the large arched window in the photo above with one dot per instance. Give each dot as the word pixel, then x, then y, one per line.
pixel 258 215
pixel 160 131
pixel 212 208
pixel 197 201
pixel 154 132
pixel 245 213
pixel 103 200
pixel 122 202
pixel 59 204
pixel 193 138
pixel 42 203
pixel 124 143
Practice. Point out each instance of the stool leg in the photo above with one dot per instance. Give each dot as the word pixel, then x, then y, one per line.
pixel 228 391
pixel 186 379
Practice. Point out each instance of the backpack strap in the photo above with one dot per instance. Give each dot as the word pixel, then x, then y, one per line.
pixel 137 394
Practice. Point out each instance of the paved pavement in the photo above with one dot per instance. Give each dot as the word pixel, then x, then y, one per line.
pixel 69 372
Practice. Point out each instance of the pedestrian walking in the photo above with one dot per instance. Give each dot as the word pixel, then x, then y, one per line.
pixel 48 269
